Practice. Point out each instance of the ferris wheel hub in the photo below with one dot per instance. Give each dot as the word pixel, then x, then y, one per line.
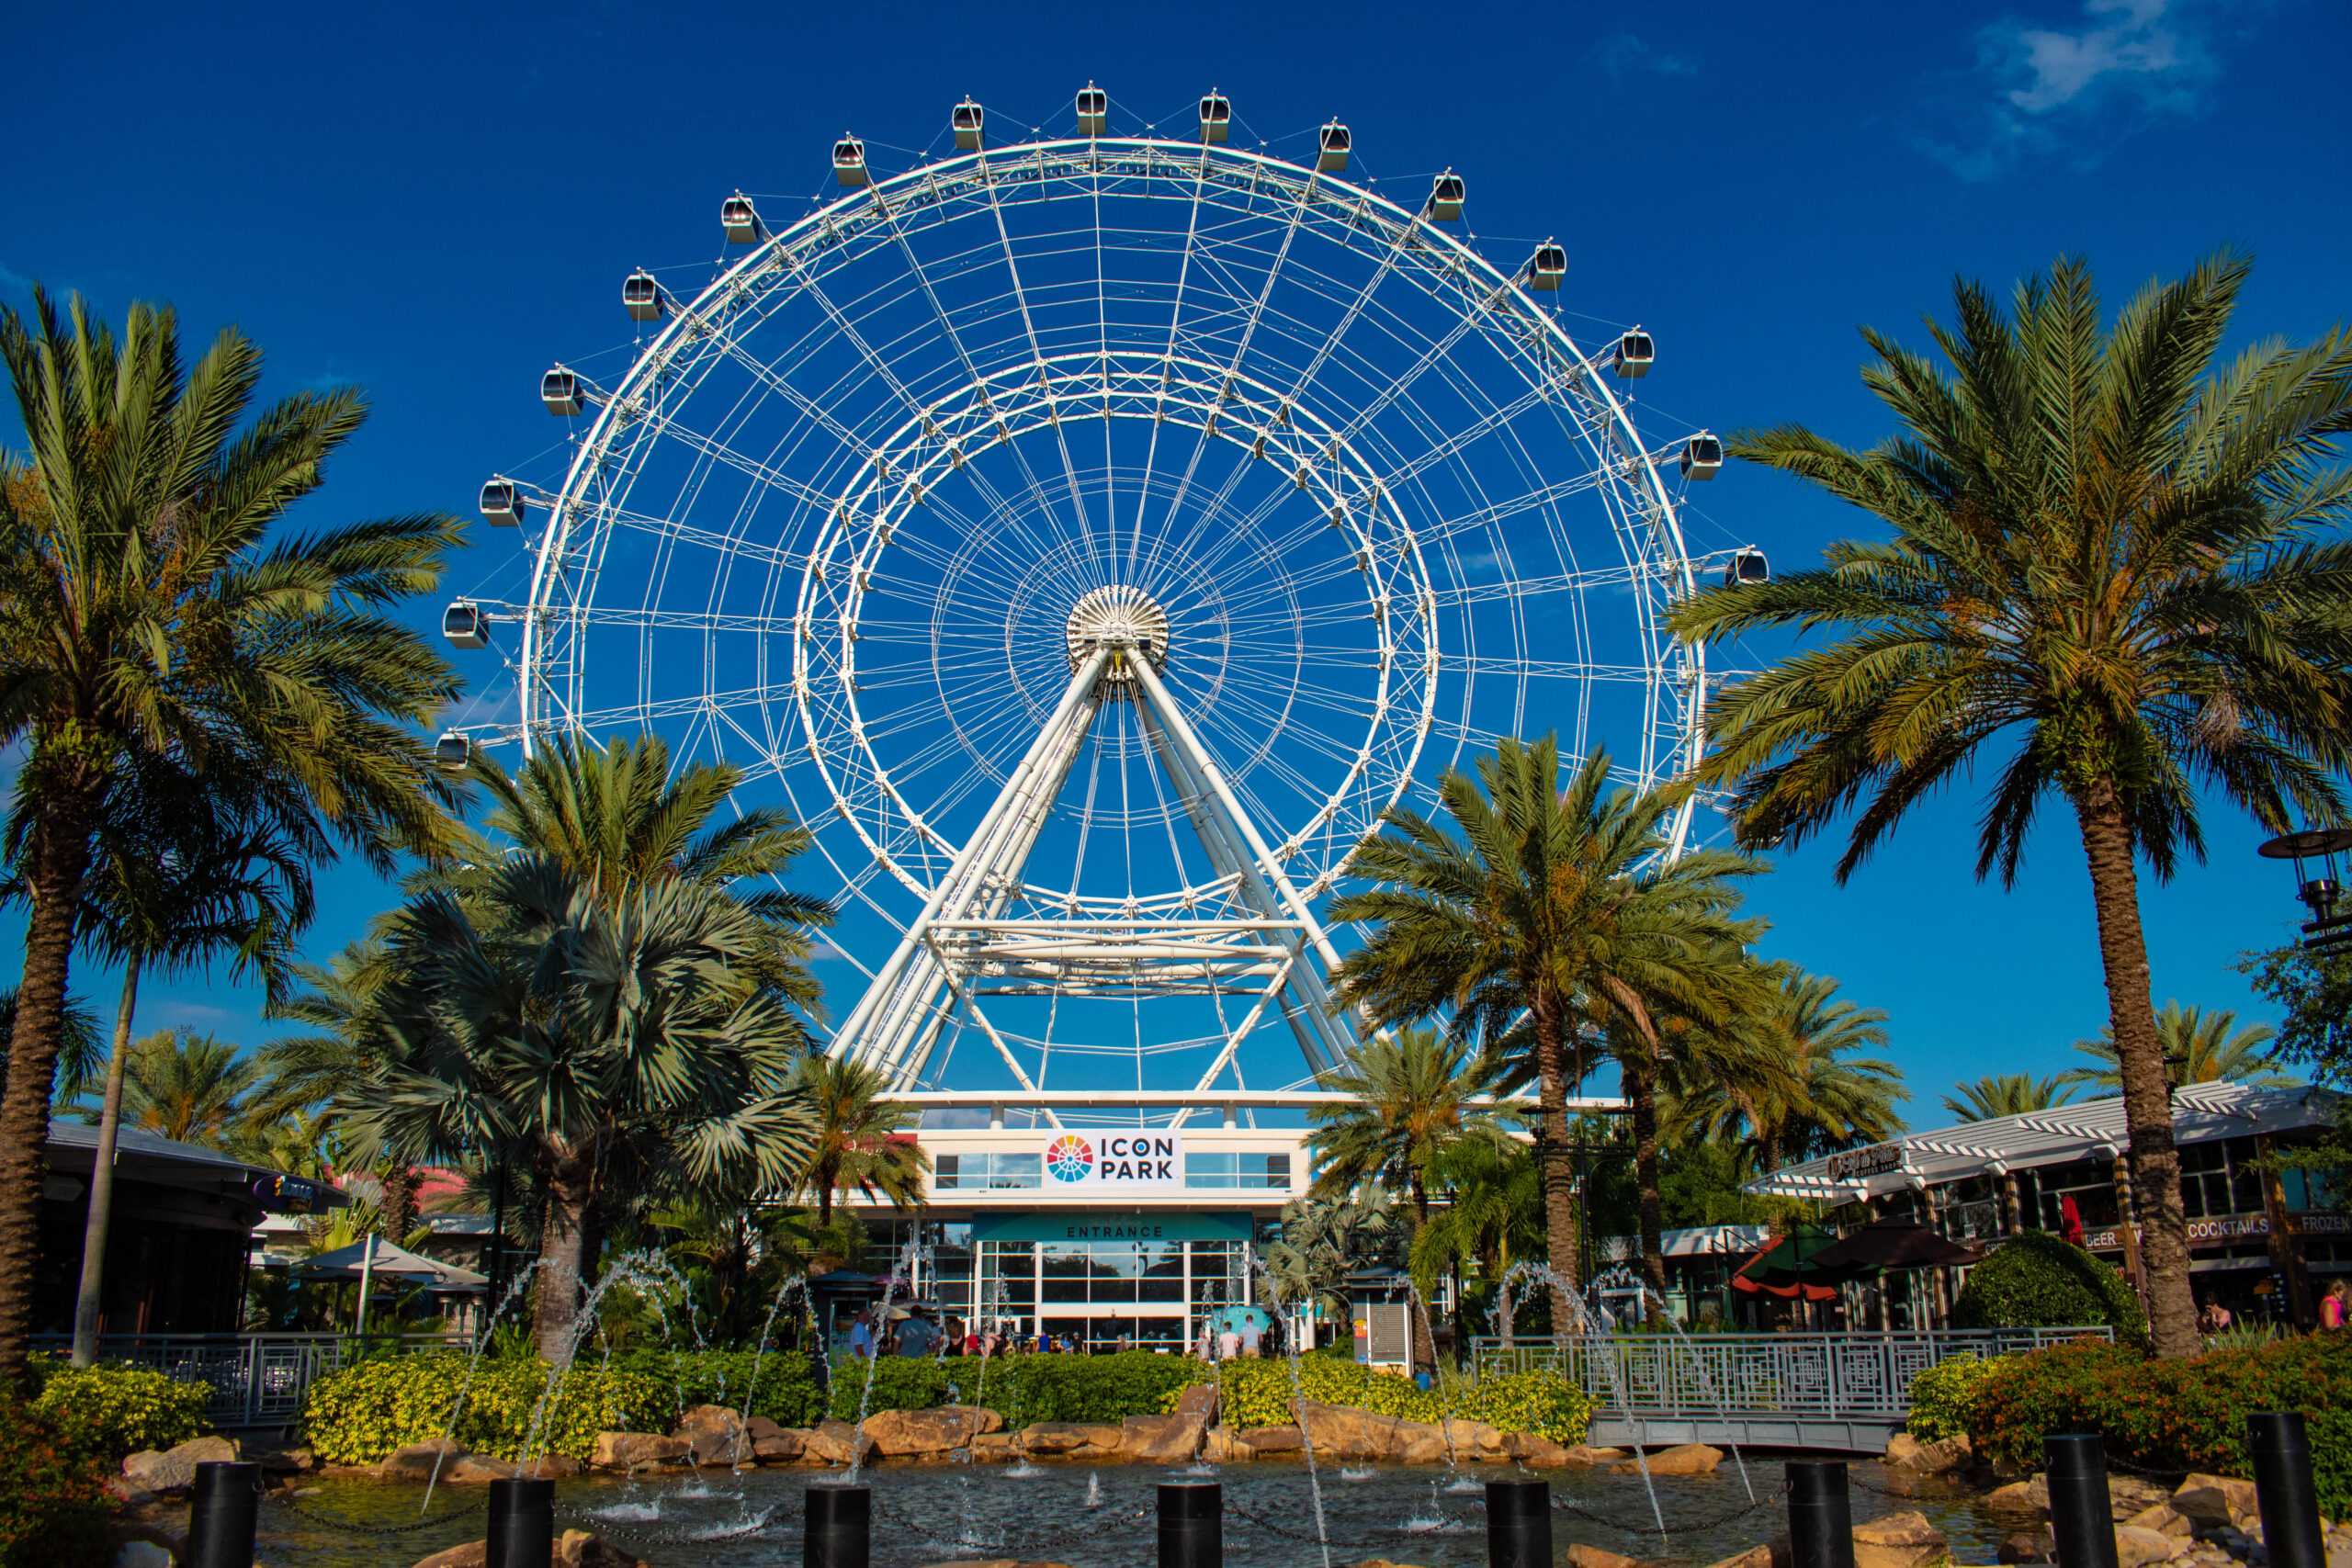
pixel 1122 616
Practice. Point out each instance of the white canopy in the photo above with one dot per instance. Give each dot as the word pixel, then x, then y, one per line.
pixel 2059 1135
pixel 373 1254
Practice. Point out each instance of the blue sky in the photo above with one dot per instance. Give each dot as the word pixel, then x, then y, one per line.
pixel 434 202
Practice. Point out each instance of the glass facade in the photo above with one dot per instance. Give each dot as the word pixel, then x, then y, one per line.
pixel 1151 1294
pixel 1262 1171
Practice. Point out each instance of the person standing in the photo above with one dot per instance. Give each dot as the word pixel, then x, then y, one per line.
pixel 1228 1342
pixel 861 1336
pixel 2331 1305
pixel 1250 1338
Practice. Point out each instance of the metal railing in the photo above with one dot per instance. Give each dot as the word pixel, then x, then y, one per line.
pixel 1832 1376
pixel 257 1380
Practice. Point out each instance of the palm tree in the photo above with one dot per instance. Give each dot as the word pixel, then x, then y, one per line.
pixel 1493 1216
pixel 859 1136
pixel 1324 1239
pixel 2198 1047
pixel 2102 585
pixel 1825 1098
pixel 1409 1098
pixel 1556 920
pixel 178 877
pixel 78 1056
pixel 144 619
pixel 587 1035
pixel 186 1086
pixel 2007 1094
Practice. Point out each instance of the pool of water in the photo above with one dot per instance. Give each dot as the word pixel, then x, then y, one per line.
pixel 1096 1517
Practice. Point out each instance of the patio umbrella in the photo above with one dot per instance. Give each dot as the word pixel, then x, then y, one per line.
pixel 1788 1268
pixel 365 1259
pixel 1893 1244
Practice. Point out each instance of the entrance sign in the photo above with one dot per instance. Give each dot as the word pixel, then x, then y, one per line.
pixel 1119 1160
pixel 1098 1227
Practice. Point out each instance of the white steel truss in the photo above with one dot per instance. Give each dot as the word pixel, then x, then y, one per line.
pixel 971 940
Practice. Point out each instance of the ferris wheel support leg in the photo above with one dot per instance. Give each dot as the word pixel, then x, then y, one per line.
pixel 857 1036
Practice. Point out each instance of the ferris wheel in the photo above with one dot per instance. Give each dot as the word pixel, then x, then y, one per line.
pixel 1089 537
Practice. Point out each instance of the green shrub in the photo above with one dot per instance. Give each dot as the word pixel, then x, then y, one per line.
pixel 1258 1394
pixel 2172 1415
pixel 115 1411
pixel 1023 1389
pixel 55 1511
pixel 2039 1281
pixel 1943 1397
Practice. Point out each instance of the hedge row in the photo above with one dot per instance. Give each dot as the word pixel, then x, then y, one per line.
pixel 2166 1416
pixel 1259 1393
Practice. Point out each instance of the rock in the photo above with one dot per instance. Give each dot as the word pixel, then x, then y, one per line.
pixel 578 1549
pixel 173 1473
pixel 1071 1438
pixel 1344 1432
pixel 477 1470
pixel 1272 1439
pixel 1199 1402
pixel 1421 1442
pixel 835 1442
pixel 418 1461
pixel 1908 1453
pixel 2137 1547
pixel 144 1554
pixel 627 1450
pixel 2128 1495
pixel 782 1448
pixel 1223 1445
pixel 473 1554
pixel 996 1445
pixel 552 1467
pixel 1474 1439
pixel 713 1435
pixel 1902 1448
pixel 1899 1540
pixel 937 1431
pixel 760 1427
pixel 1683 1459
pixel 1590 1457
pixel 2026 1546
pixel 1774 1553
pixel 1583 1556
pixel 1537 1452
pixel 2163 1518
pixel 2208 1499
pixel 130 1497
pixel 2022 1497
pixel 284 1461
pixel 1161 1439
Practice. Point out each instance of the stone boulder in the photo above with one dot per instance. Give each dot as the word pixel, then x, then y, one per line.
pixel 1342 1431
pixel 714 1435
pixel 1161 1439
pixel 2163 1518
pixel 1905 1451
pixel 1272 1439
pixel 1684 1459
pixel 781 1447
pixel 837 1442
pixel 1199 1402
pixel 1538 1452
pixel 1774 1554
pixel 1587 1458
pixel 2027 1546
pixel 907 1433
pixel 1475 1440
pixel 1581 1555
pixel 472 1469
pixel 1223 1445
pixel 2024 1496
pixel 550 1467
pixel 2137 1547
pixel 173 1473
pixel 578 1549
pixel 1078 1438
pixel 2128 1495
pixel 1899 1540
pixel 629 1450
pixel 2208 1499
pixel 418 1461
pixel 472 1554
pixel 996 1445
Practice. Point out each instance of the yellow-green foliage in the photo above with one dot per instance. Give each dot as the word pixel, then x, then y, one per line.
pixel 1258 1394
pixel 119 1410
pixel 1943 1396
pixel 363 1413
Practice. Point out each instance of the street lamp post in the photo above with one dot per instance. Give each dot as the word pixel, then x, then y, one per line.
pixel 2320 889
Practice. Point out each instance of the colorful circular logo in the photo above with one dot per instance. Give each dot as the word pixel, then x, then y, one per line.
pixel 1069 1158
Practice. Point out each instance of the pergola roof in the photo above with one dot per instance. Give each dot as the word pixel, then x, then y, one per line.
pixel 2061 1136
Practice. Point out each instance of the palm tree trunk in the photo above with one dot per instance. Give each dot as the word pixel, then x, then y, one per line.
pixel 2147 1105
pixel 93 1229
pixel 398 1216
pixel 563 1236
pixel 61 854
pixel 1641 1088
pixel 1559 1186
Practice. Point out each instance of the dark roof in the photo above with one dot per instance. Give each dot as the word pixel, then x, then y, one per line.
pixel 149 1157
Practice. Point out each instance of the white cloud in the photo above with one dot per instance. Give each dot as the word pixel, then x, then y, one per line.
pixel 2053 89
pixel 1621 54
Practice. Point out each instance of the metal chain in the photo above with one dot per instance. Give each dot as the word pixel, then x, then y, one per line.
pixel 780 1515
pixel 347 1528
pixel 1265 1524
pixel 1650 1527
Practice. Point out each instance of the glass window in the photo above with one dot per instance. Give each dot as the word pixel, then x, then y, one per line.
pixel 949 1172
pixel 1162 1278
pixel 1212 1171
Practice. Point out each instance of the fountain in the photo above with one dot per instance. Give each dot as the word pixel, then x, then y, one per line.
pixel 1298 1403
pixel 1655 1306
pixel 1599 1347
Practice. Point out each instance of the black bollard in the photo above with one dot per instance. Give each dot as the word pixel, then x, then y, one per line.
pixel 841 1524
pixel 228 1506
pixel 1192 1524
pixel 1821 1520
pixel 2282 1479
pixel 2082 1517
pixel 1519 1524
pixel 522 1524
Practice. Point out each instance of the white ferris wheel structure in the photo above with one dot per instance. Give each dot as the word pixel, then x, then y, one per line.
pixel 1088 537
